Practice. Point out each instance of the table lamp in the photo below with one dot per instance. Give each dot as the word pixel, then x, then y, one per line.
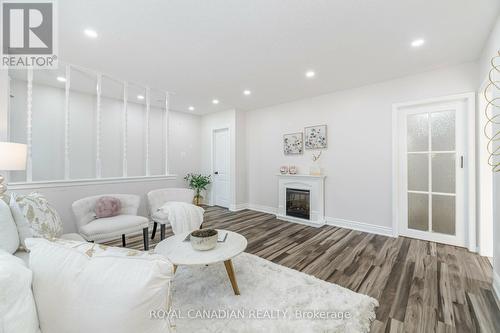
pixel 12 157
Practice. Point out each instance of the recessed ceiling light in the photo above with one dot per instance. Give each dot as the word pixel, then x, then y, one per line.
pixel 215 101
pixel 90 33
pixel 191 108
pixel 418 42
pixel 247 92
pixel 61 79
pixel 140 97
pixel 310 74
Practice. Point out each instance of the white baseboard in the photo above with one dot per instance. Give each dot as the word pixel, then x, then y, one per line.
pixel 238 207
pixel 353 225
pixel 496 285
pixel 360 226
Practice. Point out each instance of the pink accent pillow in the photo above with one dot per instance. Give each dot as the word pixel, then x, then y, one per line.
pixel 107 207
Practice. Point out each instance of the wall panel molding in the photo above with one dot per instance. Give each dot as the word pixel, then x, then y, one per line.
pixel 81 120
pixel 29 126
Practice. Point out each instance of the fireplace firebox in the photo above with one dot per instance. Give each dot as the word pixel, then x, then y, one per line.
pixel 298 203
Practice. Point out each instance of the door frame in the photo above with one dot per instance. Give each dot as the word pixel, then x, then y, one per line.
pixel 469 159
pixel 212 160
pixel 485 180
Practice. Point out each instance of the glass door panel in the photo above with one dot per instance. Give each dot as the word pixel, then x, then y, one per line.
pixel 443 172
pixel 443 214
pixel 418 132
pixel 418 172
pixel 443 131
pixel 418 211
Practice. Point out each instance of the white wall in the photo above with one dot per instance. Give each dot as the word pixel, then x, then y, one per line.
pixel 358 159
pixel 184 149
pixel 490 50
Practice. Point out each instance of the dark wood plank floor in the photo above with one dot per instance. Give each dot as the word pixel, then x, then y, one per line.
pixel 421 286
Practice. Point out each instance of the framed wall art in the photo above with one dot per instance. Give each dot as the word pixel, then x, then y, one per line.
pixel 315 137
pixel 293 144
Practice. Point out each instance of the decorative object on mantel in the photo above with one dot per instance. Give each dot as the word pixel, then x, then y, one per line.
pixel 198 183
pixel 315 137
pixel 493 103
pixel 315 168
pixel 292 170
pixel 284 170
pixel 204 239
pixel 293 144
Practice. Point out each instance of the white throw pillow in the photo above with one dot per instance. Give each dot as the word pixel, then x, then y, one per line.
pixel 87 287
pixel 9 238
pixel 17 306
pixel 35 217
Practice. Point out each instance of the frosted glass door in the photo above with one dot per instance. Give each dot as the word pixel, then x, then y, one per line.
pixel 433 162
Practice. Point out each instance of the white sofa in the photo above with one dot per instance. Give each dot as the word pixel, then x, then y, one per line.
pixel 103 229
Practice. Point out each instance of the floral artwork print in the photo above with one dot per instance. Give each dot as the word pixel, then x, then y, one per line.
pixel 315 137
pixel 293 144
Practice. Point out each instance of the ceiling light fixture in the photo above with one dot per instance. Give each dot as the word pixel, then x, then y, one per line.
pixel 247 92
pixel 191 108
pixel 140 97
pixel 215 101
pixel 310 74
pixel 61 79
pixel 418 42
pixel 90 33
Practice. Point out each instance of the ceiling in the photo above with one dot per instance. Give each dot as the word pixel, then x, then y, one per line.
pixel 201 50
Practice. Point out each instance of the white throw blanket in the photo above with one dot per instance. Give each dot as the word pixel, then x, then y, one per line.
pixel 181 216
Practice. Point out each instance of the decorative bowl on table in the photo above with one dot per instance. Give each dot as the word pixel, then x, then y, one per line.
pixel 203 239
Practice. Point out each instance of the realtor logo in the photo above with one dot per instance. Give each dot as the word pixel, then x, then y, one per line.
pixel 28 34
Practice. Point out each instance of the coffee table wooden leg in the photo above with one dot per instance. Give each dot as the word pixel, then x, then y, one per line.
pixel 175 268
pixel 232 277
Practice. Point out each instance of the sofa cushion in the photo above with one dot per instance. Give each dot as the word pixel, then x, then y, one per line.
pixel 110 227
pixel 87 287
pixel 107 207
pixel 17 307
pixel 9 238
pixel 35 217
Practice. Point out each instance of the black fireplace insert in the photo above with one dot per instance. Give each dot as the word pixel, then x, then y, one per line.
pixel 298 203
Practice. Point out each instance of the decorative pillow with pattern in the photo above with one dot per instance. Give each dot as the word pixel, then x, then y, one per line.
pixel 35 217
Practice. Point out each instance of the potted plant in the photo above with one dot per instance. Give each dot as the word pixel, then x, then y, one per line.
pixel 198 183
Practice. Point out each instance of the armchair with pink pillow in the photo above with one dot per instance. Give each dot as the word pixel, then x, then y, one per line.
pixel 105 217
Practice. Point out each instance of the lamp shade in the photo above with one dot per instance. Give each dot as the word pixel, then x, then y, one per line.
pixel 12 156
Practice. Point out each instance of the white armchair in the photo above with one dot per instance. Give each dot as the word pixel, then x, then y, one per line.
pixel 158 198
pixel 102 229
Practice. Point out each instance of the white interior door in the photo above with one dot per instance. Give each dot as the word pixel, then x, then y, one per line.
pixel 432 149
pixel 221 167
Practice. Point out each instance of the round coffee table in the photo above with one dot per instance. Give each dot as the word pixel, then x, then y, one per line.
pixel 180 252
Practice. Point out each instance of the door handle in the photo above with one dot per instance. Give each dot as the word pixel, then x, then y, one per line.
pixel 461 162
pixel 216 172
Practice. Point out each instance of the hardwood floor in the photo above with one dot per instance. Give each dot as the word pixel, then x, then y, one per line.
pixel 421 286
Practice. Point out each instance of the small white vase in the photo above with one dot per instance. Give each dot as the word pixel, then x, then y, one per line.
pixel 315 169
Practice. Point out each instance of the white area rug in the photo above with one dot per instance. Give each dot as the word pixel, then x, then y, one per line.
pixel 203 300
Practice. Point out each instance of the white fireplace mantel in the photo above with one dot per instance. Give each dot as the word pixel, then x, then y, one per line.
pixel 316 186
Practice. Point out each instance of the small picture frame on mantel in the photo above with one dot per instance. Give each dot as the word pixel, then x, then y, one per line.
pixel 315 137
pixel 293 144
